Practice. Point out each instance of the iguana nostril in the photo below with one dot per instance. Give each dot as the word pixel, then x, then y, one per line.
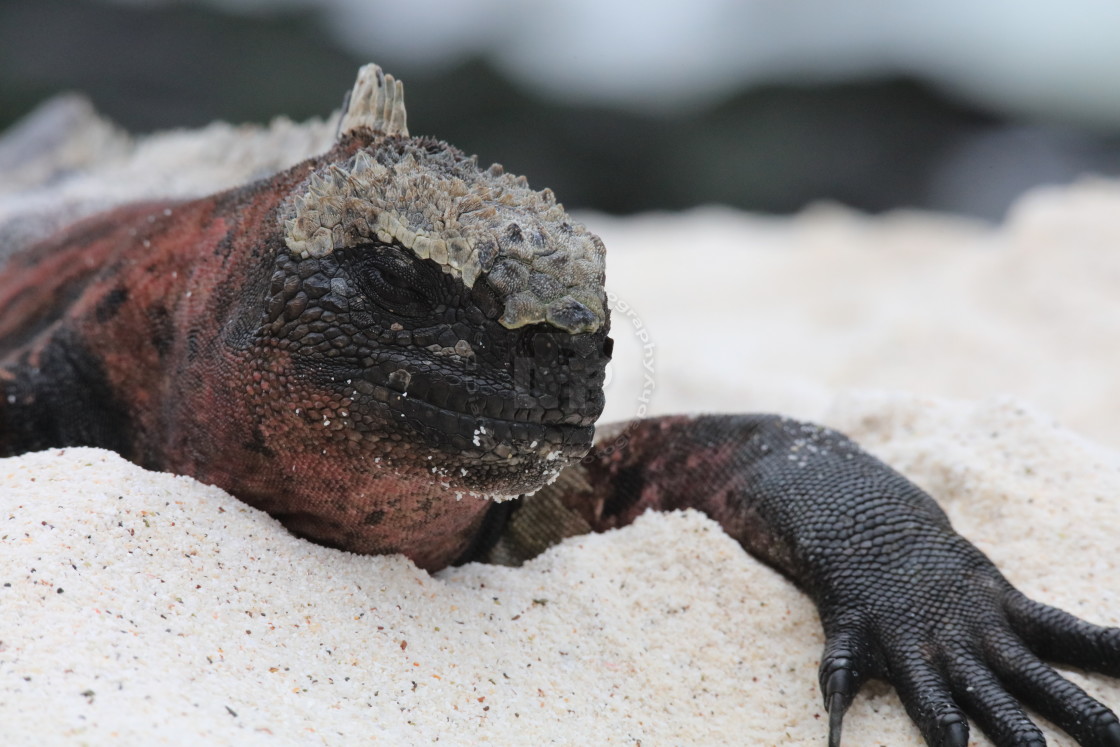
pixel 571 316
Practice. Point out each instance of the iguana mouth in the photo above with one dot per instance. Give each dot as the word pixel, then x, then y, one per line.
pixel 490 421
pixel 534 401
pixel 492 439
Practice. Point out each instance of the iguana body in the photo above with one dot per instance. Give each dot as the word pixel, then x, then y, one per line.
pixel 368 344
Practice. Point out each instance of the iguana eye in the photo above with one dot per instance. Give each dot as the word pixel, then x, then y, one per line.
pixel 397 283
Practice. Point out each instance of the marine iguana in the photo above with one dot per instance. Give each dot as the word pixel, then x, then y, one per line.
pixel 368 344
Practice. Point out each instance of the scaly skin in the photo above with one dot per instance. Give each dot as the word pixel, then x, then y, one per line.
pixel 369 396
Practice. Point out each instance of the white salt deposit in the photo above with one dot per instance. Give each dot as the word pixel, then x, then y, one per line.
pixel 146 608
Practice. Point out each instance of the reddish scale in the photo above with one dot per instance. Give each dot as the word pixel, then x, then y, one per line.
pixel 621 481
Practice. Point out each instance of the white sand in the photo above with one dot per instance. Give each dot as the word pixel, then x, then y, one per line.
pixel 145 608
pixel 785 313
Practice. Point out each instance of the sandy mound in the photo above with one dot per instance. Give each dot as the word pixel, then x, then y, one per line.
pixel 145 607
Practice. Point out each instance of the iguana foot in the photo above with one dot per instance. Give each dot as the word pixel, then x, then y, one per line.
pixel 982 660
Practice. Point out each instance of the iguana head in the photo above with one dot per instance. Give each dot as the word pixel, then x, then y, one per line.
pixel 450 316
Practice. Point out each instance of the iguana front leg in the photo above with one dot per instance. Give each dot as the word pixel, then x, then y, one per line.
pixel 901 595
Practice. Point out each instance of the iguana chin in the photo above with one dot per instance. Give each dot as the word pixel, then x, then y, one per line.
pixel 369 344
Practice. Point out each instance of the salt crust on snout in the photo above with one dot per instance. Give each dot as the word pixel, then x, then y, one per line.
pixel 427 197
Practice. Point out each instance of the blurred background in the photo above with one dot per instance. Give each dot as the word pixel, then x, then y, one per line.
pixel 622 107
